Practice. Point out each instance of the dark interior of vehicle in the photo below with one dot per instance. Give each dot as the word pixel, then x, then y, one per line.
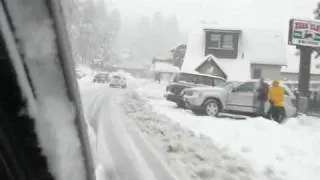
pixel 20 155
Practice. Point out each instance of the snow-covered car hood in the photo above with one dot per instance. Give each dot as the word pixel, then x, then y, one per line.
pixel 207 88
pixel 186 84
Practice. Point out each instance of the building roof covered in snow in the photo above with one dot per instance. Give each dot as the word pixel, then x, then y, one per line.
pixel 255 47
pixel 264 47
pixel 195 56
pixel 235 70
pixel 164 67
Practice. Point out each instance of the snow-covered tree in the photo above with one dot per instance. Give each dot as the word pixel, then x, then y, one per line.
pixel 317 11
pixel 91 29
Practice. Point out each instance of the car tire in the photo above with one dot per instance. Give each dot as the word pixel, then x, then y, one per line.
pixel 212 107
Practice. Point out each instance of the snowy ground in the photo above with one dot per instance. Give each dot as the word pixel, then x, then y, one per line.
pixel 287 152
pixel 190 156
pixel 199 147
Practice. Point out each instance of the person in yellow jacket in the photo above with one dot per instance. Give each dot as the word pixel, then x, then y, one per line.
pixel 276 98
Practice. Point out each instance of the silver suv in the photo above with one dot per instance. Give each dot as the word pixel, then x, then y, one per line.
pixel 184 80
pixel 232 96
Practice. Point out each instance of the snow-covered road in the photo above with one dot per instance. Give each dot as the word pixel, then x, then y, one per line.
pixel 121 152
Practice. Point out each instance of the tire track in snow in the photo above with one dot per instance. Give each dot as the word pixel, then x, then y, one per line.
pixel 114 159
pixel 128 161
pixel 92 105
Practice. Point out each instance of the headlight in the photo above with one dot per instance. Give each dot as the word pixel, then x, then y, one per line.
pixel 196 94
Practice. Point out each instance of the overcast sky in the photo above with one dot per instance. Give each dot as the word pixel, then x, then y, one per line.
pixel 273 14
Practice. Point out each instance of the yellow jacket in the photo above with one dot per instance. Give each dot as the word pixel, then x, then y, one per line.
pixel 276 95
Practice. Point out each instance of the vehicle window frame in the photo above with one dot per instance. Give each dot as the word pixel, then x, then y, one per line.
pixel 236 90
pixel 216 80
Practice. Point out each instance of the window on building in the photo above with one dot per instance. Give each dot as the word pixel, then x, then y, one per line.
pixel 227 42
pixel 256 73
pixel 222 44
pixel 215 41
pixel 219 41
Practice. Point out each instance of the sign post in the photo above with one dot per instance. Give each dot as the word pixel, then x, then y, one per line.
pixel 304 71
pixel 305 35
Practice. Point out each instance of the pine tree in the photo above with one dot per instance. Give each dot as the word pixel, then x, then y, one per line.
pixel 92 36
pixel 317 12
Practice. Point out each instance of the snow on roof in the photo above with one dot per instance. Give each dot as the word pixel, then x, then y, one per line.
pixel 221 27
pixel 195 56
pixel 258 46
pixel 235 69
pixel 201 74
pixel 264 46
pixel 294 62
pixel 195 50
pixel 164 67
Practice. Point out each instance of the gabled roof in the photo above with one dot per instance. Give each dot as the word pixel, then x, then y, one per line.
pixel 210 58
pixel 234 69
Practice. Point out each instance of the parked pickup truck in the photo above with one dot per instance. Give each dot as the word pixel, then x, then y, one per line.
pixel 181 81
pixel 232 96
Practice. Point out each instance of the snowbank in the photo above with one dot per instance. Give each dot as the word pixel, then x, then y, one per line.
pixel 191 156
pixel 288 151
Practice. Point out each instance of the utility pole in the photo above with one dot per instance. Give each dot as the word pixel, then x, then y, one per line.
pixel 304 77
pixel 304 70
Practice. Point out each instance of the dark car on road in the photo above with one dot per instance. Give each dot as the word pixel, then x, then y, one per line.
pixel 183 80
pixel 101 78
